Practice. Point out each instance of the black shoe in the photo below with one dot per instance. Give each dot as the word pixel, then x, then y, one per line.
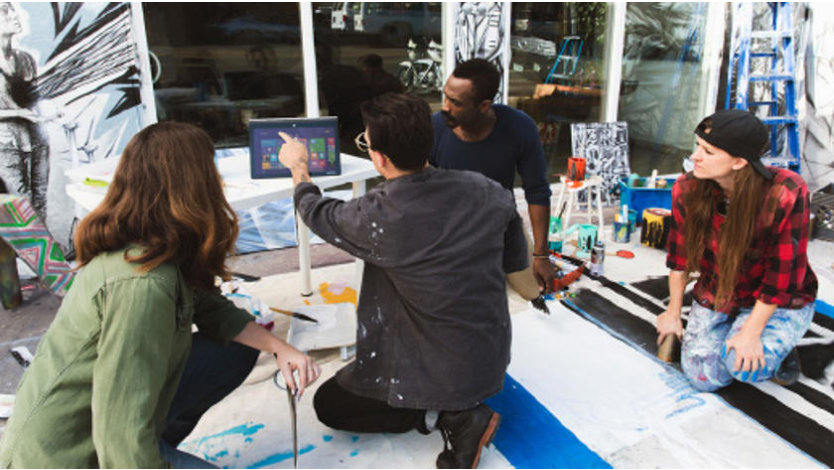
pixel 788 372
pixel 465 433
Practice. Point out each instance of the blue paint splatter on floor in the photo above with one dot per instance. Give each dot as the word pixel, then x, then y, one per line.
pixel 354 453
pixel 824 308
pixel 531 437
pixel 327 438
pixel 243 429
pixel 280 457
pixel 354 438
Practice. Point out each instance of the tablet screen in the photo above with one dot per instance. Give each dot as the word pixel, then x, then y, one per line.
pixel 320 135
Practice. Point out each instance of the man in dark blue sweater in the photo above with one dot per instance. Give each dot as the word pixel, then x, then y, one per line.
pixel 472 133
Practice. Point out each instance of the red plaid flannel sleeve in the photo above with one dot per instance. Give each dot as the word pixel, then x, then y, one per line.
pixel 786 263
pixel 676 257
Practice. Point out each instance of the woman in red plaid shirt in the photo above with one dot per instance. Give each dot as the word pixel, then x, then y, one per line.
pixel 744 228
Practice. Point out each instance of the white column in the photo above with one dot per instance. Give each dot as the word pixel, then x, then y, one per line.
pixel 614 40
pixel 308 55
pixel 711 60
pixel 146 95
pixel 311 100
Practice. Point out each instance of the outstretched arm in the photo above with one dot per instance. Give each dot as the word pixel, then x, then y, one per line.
pixel 543 269
pixel 669 322
pixel 293 155
pixel 288 358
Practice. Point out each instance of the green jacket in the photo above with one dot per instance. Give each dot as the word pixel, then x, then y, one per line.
pixel 104 374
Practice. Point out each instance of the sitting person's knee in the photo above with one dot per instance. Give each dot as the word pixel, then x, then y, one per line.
pixel 324 401
pixel 703 372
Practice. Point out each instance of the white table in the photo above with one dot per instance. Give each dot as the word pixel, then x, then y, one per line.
pixel 243 192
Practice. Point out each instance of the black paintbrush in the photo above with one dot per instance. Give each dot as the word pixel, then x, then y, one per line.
pixel 300 316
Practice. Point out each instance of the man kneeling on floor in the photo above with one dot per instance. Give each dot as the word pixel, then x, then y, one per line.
pixel 433 335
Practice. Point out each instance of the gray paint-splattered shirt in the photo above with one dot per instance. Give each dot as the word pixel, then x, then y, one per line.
pixel 434 326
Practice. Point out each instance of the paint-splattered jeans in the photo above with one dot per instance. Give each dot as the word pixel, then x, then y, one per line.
pixel 708 365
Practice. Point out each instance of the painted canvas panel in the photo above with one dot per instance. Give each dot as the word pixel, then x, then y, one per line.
pixel 605 147
pixel 23 231
pixel 480 33
pixel 69 92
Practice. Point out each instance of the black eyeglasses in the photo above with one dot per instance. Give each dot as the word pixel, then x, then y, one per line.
pixel 361 143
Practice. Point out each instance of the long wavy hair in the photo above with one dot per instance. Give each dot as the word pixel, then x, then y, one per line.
pixel 736 234
pixel 167 197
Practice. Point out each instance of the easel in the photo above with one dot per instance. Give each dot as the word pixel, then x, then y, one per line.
pixel 568 195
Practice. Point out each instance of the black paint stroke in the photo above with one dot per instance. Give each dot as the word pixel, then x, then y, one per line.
pixel 108 15
pixel 794 427
pixel 100 54
pixel 62 20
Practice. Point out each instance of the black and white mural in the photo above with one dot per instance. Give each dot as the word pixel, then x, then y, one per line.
pixel 481 33
pixel 69 95
pixel 605 147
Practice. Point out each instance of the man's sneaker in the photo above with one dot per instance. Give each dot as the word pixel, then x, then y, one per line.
pixel 788 372
pixel 465 433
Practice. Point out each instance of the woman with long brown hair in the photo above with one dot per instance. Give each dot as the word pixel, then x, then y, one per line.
pixel 119 379
pixel 744 228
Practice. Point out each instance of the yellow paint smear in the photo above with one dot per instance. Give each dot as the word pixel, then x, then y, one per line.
pixel 338 294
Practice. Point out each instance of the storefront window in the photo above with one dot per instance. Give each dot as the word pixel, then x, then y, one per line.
pixel 557 69
pixel 218 65
pixel 662 59
pixel 368 48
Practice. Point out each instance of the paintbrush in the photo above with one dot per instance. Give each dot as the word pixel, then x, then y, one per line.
pixel 290 313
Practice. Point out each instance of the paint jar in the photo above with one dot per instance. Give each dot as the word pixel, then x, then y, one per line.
pixel 656 223
pixel 632 219
pixel 622 232
pixel 597 259
pixel 554 234
pixel 587 236
pixel 576 169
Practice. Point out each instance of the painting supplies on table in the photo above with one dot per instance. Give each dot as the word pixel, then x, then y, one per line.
pixel 652 184
pixel 22 355
pixel 290 313
pixel 597 259
pixel 559 284
pixel 656 224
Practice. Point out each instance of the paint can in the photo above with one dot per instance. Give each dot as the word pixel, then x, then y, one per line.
pixel 622 232
pixel 597 259
pixel 554 234
pixel 655 230
pixel 576 169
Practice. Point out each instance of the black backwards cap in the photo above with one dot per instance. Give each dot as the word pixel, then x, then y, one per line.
pixel 738 133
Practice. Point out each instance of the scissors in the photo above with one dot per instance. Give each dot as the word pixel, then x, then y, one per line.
pixel 279 381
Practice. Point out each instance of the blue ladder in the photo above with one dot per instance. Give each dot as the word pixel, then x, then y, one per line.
pixel 568 58
pixel 779 74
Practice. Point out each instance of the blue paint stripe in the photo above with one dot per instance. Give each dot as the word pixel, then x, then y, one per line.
pixel 824 308
pixel 531 437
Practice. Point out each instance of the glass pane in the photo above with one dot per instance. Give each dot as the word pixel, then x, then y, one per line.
pixel 662 80
pixel 557 71
pixel 221 64
pixel 367 48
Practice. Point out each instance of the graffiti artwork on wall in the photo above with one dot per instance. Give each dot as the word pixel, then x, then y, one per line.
pixel 605 147
pixel 69 94
pixel 480 33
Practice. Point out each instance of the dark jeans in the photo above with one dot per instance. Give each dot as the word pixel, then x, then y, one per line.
pixel 212 371
pixel 341 409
